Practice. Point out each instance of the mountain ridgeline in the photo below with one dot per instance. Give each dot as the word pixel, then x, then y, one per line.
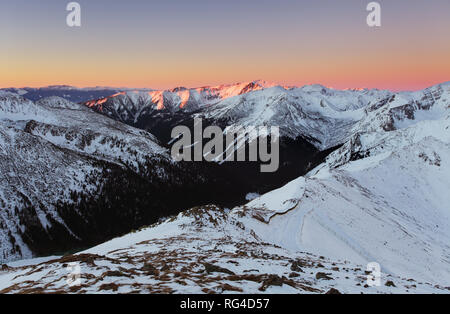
pixel 74 175
pixel 72 178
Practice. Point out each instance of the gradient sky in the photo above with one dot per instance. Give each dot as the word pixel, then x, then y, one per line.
pixel 168 43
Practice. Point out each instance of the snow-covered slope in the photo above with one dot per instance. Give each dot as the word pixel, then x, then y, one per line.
pixel 56 155
pixel 77 128
pixel 374 210
pixel 321 115
pixel 382 197
pixel 94 134
pixel 30 166
pixel 203 250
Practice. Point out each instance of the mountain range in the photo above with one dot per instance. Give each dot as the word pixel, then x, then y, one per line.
pixel 67 92
pixel 363 178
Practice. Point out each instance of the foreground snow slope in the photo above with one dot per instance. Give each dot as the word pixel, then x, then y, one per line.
pixel 203 250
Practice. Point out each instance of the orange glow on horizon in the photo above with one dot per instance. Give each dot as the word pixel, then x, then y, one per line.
pixel 383 70
pixel 286 42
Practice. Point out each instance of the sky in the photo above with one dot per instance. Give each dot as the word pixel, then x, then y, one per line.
pixel 169 43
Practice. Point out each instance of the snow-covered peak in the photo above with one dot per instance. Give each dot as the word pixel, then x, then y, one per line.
pixel 194 98
pixel 405 109
pixel 314 88
pixel 58 102
pixel 444 85
pixel 14 107
pixel 181 97
pixel 227 91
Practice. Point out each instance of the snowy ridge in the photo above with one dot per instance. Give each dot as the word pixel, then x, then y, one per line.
pixel 128 105
pixel 67 92
pixel 322 115
pixel 15 107
pixel 325 117
pixel 75 127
